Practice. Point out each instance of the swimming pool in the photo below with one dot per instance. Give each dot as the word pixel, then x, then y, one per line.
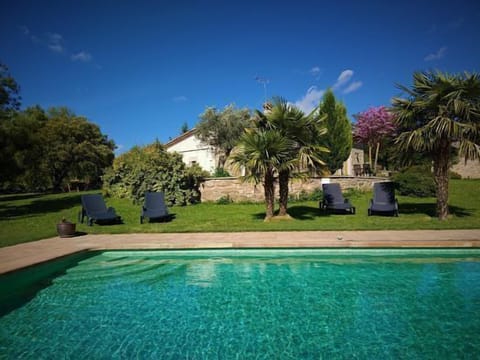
pixel 284 304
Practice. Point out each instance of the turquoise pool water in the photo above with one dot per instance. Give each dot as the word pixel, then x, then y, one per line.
pixel 306 304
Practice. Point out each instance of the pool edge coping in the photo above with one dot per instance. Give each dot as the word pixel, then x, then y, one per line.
pixel 24 255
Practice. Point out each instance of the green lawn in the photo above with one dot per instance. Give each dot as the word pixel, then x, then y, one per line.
pixel 31 217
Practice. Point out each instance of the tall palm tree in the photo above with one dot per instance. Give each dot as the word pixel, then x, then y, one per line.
pixel 304 132
pixel 440 110
pixel 262 152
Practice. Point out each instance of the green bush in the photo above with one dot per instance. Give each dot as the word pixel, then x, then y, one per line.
pixel 224 200
pixel 351 193
pixel 195 176
pixel 454 175
pixel 415 181
pixel 315 195
pixel 220 172
pixel 152 168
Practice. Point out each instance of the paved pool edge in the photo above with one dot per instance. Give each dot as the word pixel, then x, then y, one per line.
pixel 27 254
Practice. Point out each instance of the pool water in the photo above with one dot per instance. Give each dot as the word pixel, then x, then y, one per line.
pixel 307 304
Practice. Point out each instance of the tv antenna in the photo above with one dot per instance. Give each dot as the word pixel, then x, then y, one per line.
pixel 264 82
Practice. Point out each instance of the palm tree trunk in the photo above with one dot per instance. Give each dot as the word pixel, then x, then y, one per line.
pixel 269 188
pixel 441 165
pixel 283 178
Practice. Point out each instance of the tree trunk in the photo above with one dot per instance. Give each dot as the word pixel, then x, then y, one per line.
pixel 58 175
pixel 370 155
pixel 283 178
pixel 374 170
pixel 441 165
pixel 269 187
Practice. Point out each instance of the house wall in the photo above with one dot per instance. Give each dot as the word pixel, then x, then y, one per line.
pixel 356 158
pixel 194 151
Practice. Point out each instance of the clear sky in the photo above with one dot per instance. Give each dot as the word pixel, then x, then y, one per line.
pixel 140 69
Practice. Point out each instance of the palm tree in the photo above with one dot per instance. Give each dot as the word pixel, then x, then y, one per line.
pixel 262 152
pixel 304 132
pixel 440 110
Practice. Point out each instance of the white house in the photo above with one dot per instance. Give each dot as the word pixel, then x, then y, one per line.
pixel 194 151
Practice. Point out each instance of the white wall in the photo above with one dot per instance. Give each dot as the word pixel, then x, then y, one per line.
pixel 356 157
pixel 193 150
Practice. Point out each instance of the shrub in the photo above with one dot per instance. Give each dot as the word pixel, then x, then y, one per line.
pixel 224 200
pixel 454 175
pixel 195 175
pixel 351 193
pixel 152 168
pixel 220 172
pixel 415 181
pixel 315 195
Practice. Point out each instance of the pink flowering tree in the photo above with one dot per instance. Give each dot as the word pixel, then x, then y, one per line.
pixel 374 126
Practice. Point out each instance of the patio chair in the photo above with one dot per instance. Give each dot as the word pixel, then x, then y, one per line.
pixel 154 207
pixel 95 210
pixel 334 201
pixel 383 201
pixel 357 169
pixel 367 170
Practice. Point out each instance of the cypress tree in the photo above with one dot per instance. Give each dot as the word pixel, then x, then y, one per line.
pixel 338 138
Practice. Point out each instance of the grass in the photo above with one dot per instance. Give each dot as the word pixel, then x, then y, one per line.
pixel 29 217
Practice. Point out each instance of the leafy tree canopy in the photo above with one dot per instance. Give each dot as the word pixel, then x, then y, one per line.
pixel 46 150
pixel 74 148
pixel 9 93
pixel 222 129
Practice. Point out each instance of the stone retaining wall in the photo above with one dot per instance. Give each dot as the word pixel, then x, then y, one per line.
pixel 470 170
pixel 215 188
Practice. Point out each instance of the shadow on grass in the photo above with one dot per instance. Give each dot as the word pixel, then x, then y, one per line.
pixel 299 212
pixel 164 219
pixel 430 209
pixel 40 206
pixel 15 197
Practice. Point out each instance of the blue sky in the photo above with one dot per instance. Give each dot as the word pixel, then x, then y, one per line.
pixel 140 69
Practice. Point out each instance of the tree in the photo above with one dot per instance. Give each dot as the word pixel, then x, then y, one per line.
pixel 74 148
pixel 372 128
pixel 222 129
pixel 184 128
pixel 261 151
pixel 440 110
pixel 20 158
pixel 338 138
pixel 9 93
pixel 9 104
pixel 304 132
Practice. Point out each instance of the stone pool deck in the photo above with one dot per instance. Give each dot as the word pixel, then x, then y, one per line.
pixel 31 253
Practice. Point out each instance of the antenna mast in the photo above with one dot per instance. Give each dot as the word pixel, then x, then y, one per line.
pixel 264 82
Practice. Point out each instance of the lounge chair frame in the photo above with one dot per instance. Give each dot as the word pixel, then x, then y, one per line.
pixel 95 210
pixel 333 200
pixel 154 207
pixel 384 201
